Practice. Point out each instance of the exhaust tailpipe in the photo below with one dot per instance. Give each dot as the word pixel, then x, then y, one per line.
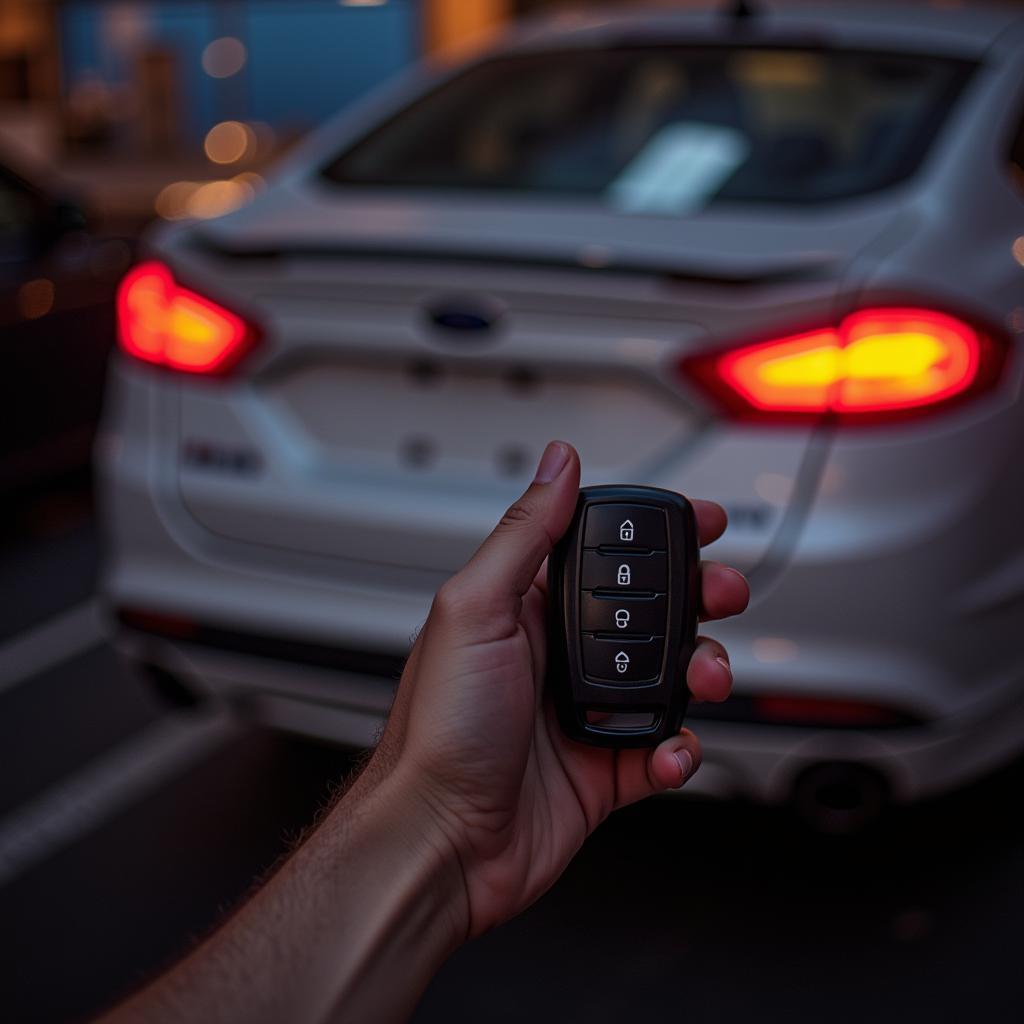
pixel 840 798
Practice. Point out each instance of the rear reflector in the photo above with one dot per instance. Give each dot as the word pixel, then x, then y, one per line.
pixel 877 363
pixel 805 712
pixel 161 322
pixel 180 627
pixel 824 712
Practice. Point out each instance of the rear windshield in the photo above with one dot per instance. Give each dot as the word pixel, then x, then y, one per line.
pixel 667 129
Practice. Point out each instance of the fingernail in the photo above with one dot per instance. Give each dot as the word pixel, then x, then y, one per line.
pixel 724 662
pixel 552 462
pixel 685 762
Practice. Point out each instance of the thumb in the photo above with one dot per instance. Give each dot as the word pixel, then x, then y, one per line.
pixel 642 773
pixel 494 581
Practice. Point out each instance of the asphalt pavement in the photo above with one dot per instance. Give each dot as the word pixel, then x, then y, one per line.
pixel 127 829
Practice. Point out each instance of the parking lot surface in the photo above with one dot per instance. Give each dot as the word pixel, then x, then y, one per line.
pixel 127 829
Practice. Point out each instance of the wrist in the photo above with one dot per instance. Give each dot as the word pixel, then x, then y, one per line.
pixel 380 896
pixel 403 831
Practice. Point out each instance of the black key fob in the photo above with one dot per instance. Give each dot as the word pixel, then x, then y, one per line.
pixel 623 602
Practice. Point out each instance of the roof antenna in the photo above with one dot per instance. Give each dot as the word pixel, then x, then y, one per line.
pixel 741 10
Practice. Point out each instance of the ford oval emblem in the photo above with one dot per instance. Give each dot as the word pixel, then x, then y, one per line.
pixel 464 317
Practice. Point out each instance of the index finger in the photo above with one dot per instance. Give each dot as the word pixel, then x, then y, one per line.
pixel 711 520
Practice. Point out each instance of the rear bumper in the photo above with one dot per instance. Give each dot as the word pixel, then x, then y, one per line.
pixel 347 703
pixel 860 609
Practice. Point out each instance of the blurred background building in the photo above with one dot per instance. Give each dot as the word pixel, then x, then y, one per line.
pixel 140 103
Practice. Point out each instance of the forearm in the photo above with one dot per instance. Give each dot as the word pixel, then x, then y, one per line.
pixel 352 927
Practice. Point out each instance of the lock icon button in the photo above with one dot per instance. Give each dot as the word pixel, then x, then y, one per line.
pixel 622 618
pixel 640 572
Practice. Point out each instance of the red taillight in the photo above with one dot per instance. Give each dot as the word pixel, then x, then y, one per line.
pixel 876 364
pixel 161 322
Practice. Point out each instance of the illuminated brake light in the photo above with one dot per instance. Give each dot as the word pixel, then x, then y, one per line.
pixel 161 322
pixel 877 361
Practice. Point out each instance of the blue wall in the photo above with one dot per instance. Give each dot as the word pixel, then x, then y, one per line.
pixel 306 58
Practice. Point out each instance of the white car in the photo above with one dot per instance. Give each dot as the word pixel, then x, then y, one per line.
pixel 773 260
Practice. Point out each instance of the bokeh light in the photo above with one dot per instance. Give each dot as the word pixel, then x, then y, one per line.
pixel 229 142
pixel 35 298
pixel 251 180
pixel 172 202
pixel 224 57
pixel 203 200
pixel 215 198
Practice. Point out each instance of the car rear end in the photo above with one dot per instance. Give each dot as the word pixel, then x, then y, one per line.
pixel 331 396
pixel 308 503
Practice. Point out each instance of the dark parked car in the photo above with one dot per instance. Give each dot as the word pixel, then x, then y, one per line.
pixel 57 282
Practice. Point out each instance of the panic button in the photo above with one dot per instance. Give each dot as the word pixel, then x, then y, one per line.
pixel 625 526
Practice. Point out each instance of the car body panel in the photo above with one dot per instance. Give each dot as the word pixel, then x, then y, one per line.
pixel 325 491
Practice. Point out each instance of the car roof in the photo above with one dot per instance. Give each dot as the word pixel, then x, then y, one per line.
pixel 940 28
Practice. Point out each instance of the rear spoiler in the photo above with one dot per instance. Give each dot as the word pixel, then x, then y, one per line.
pixel 811 266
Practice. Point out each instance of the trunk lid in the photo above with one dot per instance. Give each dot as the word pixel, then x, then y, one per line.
pixel 387 431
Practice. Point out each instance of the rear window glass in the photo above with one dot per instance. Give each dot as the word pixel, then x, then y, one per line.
pixel 667 129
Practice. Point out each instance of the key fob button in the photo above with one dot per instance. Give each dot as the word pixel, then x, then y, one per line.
pixel 625 526
pixel 622 615
pixel 622 662
pixel 624 573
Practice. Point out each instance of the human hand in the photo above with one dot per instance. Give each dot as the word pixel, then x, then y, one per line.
pixel 473 738
pixel 469 809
